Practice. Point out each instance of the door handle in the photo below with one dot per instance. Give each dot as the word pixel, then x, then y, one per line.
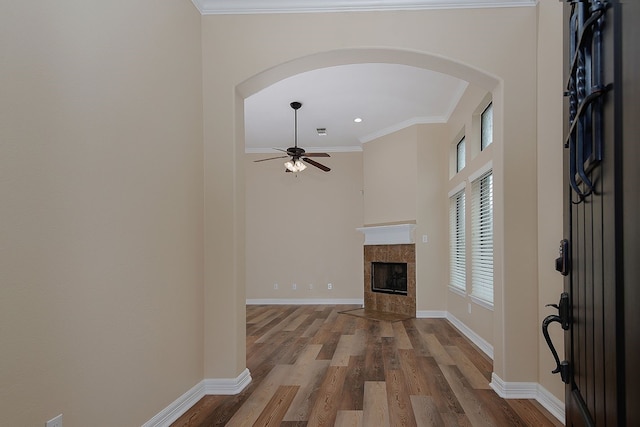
pixel 563 318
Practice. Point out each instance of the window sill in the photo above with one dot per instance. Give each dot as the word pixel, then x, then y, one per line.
pixel 457 291
pixel 482 303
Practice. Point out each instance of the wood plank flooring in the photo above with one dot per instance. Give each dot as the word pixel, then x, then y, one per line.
pixel 316 366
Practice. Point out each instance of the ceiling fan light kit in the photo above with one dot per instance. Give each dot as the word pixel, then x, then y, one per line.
pixel 296 166
pixel 298 155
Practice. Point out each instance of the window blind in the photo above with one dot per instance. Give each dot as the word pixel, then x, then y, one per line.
pixel 482 238
pixel 457 248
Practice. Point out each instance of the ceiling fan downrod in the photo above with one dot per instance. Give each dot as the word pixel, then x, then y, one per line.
pixel 296 106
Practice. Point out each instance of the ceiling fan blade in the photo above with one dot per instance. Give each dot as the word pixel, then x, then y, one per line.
pixel 317 155
pixel 316 164
pixel 270 158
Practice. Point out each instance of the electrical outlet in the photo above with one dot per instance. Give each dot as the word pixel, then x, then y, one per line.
pixel 54 422
pixel 310 286
pixel 425 238
pixel 294 286
pixel 329 286
pixel 275 286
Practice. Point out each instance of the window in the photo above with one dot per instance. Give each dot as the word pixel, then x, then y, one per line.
pixel 486 127
pixel 457 248
pixel 482 238
pixel 460 158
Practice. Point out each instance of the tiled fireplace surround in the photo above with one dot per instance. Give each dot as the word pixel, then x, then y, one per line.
pixel 392 243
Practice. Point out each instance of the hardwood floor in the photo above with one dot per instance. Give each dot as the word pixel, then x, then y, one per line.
pixel 316 366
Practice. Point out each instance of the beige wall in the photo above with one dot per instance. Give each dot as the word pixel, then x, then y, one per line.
pixel 101 210
pixel 302 229
pixel 224 209
pixel 432 257
pixel 550 151
pixel 390 175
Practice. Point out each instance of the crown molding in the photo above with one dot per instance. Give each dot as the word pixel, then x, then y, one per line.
pixel 239 7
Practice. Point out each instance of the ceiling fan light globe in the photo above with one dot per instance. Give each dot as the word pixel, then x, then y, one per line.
pixel 290 166
pixel 300 166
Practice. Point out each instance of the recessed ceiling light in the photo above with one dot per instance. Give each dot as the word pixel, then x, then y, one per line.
pixel 357 120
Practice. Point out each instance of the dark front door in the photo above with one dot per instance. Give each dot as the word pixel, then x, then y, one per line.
pixel 599 255
pixel 592 342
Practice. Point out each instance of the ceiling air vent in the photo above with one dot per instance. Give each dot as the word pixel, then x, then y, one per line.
pixel 322 131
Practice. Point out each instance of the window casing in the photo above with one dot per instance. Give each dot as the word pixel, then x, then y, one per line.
pixel 457 243
pixel 482 238
pixel 486 127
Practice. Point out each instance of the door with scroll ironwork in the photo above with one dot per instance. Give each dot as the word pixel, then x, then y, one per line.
pixel 599 255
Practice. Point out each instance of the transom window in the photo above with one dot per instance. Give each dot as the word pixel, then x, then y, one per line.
pixel 486 127
pixel 460 155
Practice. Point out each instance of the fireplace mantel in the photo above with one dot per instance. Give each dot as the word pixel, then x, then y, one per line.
pixel 395 234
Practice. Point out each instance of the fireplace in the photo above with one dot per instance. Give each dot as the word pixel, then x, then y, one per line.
pixel 389 277
pixel 390 300
pixel 390 268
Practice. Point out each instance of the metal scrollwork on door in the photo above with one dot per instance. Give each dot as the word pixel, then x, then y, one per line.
pixel 585 89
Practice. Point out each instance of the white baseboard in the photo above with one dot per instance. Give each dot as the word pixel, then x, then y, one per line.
pixel 227 386
pixel 528 390
pixel 222 386
pixel 305 301
pixel 551 403
pixel 513 390
pixel 467 332
pixel 179 406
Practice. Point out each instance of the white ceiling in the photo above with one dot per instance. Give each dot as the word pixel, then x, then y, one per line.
pixel 388 97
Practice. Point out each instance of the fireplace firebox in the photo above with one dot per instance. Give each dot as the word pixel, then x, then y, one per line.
pixel 389 277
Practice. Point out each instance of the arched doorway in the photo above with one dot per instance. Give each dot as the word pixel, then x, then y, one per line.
pixel 271 76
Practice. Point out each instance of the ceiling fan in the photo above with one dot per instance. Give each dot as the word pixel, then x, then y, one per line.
pixel 298 155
